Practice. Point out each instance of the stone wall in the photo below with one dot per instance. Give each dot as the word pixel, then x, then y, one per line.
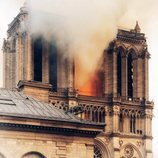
pixel 16 144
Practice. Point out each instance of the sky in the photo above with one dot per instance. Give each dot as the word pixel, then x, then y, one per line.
pixel 125 14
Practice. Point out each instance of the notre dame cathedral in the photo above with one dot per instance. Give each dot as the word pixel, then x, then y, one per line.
pixel 43 115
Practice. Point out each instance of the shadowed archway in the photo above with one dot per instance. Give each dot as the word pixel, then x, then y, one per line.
pixel 101 150
pixel 33 154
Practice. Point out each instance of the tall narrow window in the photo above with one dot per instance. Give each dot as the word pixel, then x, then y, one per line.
pixel 119 67
pixel 131 124
pixel 53 66
pixel 134 124
pixel 38 59
pixel 121 123
pixel 130 76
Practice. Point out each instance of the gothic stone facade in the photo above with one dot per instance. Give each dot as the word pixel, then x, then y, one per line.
pixel 124 105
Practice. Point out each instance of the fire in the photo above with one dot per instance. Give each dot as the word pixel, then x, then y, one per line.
pixel 89 84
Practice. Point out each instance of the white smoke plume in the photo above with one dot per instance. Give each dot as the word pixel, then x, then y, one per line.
pixel 85 26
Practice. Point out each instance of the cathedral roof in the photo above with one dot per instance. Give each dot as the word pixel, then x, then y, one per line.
pixel 16 104
pixel 22 113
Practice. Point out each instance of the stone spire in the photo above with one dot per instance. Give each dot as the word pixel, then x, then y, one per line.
pixel 137 28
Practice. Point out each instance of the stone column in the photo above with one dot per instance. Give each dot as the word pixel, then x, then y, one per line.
pixel 148 133
pixel 108 73
pixel 140 78
pixel 108 119
pixel 114 73
pixel 89 150
pixel 29 69
pixel 18 58
pixel 146 78
pixel 116 112
pixel 70 83
pixel 148 122
pixel 124 77
pixel 5 68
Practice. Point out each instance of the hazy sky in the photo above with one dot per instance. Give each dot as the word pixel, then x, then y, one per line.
pixel 146 11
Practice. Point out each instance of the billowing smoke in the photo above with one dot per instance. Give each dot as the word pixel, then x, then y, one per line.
pixel 84 27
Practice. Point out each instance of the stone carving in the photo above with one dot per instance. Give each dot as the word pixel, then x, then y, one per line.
pixel 129 151
pixel 121 142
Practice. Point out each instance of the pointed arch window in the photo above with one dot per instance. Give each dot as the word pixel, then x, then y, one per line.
pixel 38 59
pixel 121 122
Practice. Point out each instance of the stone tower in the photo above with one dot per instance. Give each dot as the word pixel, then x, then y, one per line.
pixel 129 117
pixel 41 71
pixel 29 57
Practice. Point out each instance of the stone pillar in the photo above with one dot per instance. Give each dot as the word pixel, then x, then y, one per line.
pixel 148 122
pixel 124 77
pixel 140 78
pixel 108 74
pixel 148 134
pixel 114 73
pixel 108 119
pixel 18 58
pixel 13 66
pixel 146 78
pixel 9 63
pixel 89 150
pixel 29 68
pixel 116 147
pixel 116 112
pixel 70 83
pixel 5 69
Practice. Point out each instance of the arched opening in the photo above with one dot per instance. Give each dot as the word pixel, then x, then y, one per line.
pixel 37 47
pixel 100 149
pixel 53 65
pixel 33 154
pixel 119 72
pixel 121 122
pixel 130 75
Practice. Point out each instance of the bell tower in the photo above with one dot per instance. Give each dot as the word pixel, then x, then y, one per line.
pixel 126 84
pixel 35 60
pixel 126 66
